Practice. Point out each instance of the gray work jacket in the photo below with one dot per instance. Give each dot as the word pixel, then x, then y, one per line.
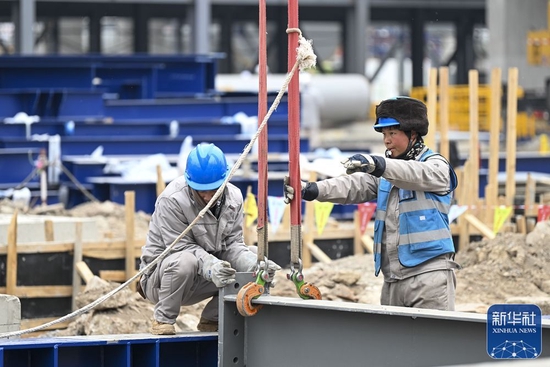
pixel 431 175
pixel 176 208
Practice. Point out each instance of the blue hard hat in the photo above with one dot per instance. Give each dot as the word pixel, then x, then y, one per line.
pixel 206 167
pixel 383 122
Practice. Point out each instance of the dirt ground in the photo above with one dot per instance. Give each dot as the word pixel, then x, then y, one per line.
pixel 512 268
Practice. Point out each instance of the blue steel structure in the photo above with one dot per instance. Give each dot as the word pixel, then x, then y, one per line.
pixel 117 144
pixel 129 350
pixel 130 77
pixel 144 127
pixel 127 105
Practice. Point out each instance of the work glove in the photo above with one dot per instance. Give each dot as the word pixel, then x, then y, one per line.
pixel 248 261
pixel 365 163
pixel 310 191
pixel 272 267
pixel 218 271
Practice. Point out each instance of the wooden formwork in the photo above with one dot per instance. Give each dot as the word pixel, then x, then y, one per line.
pixel 127 249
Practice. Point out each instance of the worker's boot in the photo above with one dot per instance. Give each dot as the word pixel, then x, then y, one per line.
pixel 160 328
pixel 207 325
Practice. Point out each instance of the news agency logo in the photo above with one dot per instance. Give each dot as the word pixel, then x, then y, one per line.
pixel 514 331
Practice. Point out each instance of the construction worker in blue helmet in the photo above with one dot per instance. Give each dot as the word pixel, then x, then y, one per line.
pixel 412 186
pixel 209 255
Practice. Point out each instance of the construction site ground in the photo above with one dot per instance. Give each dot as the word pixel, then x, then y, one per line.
pixel 512 268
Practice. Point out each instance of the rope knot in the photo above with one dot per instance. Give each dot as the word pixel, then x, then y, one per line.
pixel 304 53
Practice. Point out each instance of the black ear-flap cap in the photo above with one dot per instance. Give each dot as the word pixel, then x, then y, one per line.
pixel 411 113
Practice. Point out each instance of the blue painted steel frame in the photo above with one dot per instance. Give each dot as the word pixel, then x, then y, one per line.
pixel 16 164
pixel 117 145
pixel 75 104
pixel 227 104
pixel 51 102
pixel 133 128
pixel 139 350
pixel 135 76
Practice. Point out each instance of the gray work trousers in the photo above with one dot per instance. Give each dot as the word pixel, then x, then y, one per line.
pixel 434 290
pixel 176 282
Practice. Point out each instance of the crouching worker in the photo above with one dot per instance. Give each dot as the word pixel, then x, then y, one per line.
pixel 412 186
pixel 210 254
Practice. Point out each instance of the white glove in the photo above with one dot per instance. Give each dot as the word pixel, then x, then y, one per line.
pixel 308 192
pixel 359 163
pixel 248 262
pixel 218 271
pixel 272 267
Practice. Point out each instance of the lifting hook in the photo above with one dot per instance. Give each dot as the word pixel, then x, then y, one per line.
pixel 305 290
pixel 249 292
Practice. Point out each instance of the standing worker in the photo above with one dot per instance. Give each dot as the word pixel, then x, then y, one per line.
pixel 211 252
pixel 413 187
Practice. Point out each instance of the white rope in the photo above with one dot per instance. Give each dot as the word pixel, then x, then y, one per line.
pixel 305 58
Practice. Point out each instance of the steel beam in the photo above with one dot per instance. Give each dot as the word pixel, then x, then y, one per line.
pixel 358 19
pixel 309 333
pixel 23 13
pixel 201 26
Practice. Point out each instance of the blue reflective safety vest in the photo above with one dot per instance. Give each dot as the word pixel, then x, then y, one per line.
pixel 424 231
